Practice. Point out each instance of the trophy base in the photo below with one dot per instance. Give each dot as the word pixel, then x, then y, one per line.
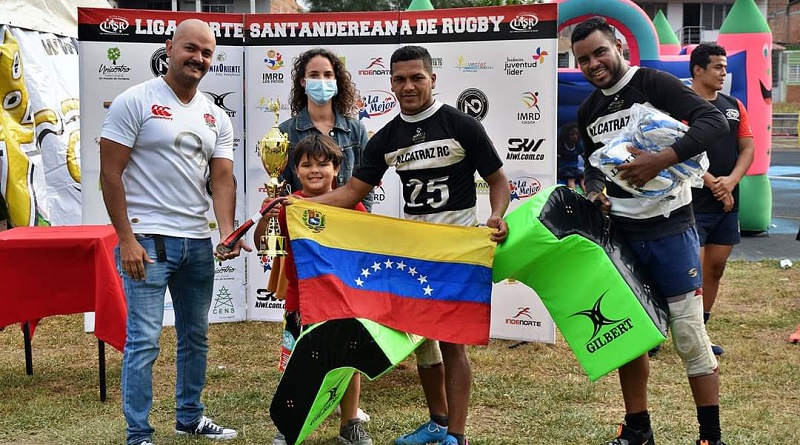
pixel 272 246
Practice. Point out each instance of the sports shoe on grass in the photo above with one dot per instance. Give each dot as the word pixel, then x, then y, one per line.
pixel 717 349
pixel 450 440
pixel 279 439
pixel 428 432
pixel 707 442
pixel 629 436
pixel 146 442
pixel 653 352
pixel 354 434
pixel 206 428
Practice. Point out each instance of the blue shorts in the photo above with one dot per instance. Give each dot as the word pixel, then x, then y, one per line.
pixel 673 262
pixel 718 228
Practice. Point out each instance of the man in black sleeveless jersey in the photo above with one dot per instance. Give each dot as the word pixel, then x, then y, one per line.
pixel 716 205
pixel 436 150
pixel 667 245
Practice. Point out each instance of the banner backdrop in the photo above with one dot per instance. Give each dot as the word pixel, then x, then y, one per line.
pixel 39 139
pixel 497 64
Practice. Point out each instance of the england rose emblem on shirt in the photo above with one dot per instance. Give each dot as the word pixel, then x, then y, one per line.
pixel 210 121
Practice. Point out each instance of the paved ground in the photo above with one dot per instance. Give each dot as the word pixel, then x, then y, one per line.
pixel 779 241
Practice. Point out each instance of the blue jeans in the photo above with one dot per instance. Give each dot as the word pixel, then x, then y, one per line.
pixel 188 271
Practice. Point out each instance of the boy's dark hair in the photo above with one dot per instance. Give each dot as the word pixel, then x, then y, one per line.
pixel 317 146
pixel 701 56
pixel 591 25
pixel 412 52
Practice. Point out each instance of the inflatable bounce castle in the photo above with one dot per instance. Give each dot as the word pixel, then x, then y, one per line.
pixel 745 36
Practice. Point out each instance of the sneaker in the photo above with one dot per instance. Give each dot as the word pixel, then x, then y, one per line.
pixel 450 440
pixel 362 416
pixel 206 428
pixel 717 349
pixel 629 436
pixel 705 442
pixel 146 442
pixel 279 439
pixel 354 434
pixel 653 352
pixel 429 432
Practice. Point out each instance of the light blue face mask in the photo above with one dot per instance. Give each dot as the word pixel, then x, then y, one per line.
pixel 321 91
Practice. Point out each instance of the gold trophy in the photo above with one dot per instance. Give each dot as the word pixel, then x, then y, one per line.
pixel 274 151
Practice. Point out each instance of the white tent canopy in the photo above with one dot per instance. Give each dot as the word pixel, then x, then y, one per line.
pixel 59 17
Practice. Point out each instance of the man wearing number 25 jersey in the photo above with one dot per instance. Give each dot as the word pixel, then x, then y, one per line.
pixel 436 150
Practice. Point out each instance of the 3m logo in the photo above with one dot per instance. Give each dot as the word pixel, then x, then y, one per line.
pixel 161 112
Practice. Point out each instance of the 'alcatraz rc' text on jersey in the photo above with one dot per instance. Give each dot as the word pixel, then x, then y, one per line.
pixel 436 154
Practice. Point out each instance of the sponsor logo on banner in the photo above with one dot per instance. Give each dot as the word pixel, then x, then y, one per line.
pixel 378 194
pixel 524 187
pixel 220 68
pixel 223 303
pixel 219 100
pixel 274 62
pixel 532 112
pixel 524 149
pixel 482 187
pixel 375 103
pixel 523 318
pixel 224 271
pixel 614 328
pixel 116 70
pixel 436 62
pixel 266 300
pixel 516 66
pixel 263 105
pixel 524 22
pixel 376 67
pixel 159 63
pixel 114 26
pixel 538 55
pixel 473 102
pixel 472 67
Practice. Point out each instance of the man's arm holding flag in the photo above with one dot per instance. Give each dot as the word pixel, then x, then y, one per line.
pixel 499 197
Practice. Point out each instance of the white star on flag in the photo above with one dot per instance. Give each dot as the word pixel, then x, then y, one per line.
pixel 412 271
pixel 365 273
pixel 359 282
pixel 422 279
pixel 428 289
pixel 401 265
pixel 376 266
pixel 388 263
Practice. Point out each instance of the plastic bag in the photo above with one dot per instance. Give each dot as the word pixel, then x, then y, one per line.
pixel 650 130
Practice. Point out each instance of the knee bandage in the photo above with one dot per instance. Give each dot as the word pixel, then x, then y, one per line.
pixel 428 354
pixel 689 334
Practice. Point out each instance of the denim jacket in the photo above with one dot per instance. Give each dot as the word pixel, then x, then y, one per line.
pixel 349 133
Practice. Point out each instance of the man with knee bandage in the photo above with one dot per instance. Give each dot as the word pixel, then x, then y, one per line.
pixel 667 245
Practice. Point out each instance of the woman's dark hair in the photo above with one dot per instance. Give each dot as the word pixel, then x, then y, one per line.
pixel 345 99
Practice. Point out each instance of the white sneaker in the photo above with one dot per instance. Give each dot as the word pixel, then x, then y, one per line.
pixel 206 428
pixel 279 439
pixel 362 416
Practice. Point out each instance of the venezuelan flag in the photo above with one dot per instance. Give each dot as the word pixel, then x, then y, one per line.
pixel 432 280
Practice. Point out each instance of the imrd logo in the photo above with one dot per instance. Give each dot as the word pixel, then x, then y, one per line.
pixel 524 149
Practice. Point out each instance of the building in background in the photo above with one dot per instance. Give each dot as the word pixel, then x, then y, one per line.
pixel 220 6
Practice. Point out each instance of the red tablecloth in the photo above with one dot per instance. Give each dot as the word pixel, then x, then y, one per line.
pixel 62 270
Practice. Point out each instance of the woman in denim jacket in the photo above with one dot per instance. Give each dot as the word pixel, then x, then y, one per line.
pixel 323 100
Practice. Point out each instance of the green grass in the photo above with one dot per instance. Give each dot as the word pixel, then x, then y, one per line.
pixel 531 394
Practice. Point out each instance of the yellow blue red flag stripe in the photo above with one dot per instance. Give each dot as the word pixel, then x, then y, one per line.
pixel 432 280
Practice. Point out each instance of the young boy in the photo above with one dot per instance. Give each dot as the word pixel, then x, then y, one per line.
pixel 316 161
